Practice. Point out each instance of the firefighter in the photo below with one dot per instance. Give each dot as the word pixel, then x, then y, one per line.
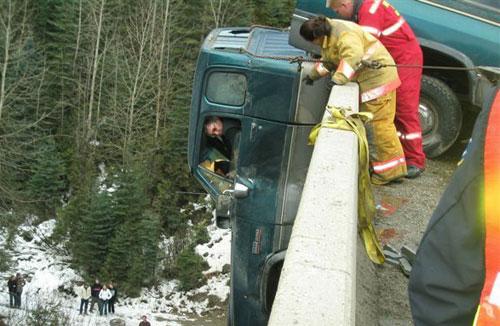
pixel 344 44
pixel 455 279
pixel 382 20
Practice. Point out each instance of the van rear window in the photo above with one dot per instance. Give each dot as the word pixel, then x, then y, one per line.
pixel 226 88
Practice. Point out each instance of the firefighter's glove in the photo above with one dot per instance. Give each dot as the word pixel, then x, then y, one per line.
pixel 308 80
pixel 331 83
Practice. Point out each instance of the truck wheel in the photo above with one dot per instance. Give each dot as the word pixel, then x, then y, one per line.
pixel 440 116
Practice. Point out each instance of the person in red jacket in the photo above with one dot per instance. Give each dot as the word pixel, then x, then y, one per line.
pixel 383 21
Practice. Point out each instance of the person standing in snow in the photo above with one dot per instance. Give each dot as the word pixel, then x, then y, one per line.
pixel 19 289
pixel 111 302
pixel 104 296
pixel 12 290
pixel 83 292
pixel 94 292
pixel 144 321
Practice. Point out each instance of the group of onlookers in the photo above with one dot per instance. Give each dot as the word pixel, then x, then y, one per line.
pixel 15 284
pixel 103 294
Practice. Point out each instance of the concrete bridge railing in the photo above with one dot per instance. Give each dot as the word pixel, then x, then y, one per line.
pixel 318 280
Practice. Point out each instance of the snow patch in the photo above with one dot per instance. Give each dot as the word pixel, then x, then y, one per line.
pixel 48 272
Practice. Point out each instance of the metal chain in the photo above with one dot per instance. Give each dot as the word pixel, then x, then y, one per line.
pixel 369 64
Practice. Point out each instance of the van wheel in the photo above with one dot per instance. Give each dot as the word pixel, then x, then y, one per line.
pixel 440 116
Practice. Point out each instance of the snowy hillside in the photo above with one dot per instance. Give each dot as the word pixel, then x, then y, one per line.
pixel 49 280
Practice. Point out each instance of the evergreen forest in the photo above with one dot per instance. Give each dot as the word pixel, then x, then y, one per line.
pixel 94 106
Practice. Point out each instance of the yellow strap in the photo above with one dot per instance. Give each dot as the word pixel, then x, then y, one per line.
pixel 341 119
pixel 476 316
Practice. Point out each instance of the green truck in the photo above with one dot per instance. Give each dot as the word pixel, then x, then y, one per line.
pixel 270 111
pixel 452 33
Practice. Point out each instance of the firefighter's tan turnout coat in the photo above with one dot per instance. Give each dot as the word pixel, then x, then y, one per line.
pixel 341 53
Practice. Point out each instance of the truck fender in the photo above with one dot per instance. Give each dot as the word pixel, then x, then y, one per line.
pixel 473 76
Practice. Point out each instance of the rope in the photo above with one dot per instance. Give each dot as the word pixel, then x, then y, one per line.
pixel 372 64
pixel 297 59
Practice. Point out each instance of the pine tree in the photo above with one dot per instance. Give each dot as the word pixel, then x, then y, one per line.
pixel 54 29
pixel 276 13
pixel 148 236
pixel 118 261
pixel 189 267
pixel 47 183
pixel 130 198
pixel 98 225
pixel 143 254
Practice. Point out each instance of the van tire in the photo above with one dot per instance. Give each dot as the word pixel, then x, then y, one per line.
pixel 440 115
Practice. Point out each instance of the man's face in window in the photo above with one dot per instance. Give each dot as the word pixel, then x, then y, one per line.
pixel 214 128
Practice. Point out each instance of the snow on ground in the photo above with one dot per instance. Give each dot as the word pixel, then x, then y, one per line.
pixel 47 272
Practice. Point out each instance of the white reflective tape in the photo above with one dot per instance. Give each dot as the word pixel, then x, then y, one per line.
pixel 495 292
pixel 320 68
pixel 389 164
pixel 375 6
pixel 371 30
pixel 379 91
pixel 346 69
pixel 389 30
pixel 371 50
pixel 373 93
pixel 410 136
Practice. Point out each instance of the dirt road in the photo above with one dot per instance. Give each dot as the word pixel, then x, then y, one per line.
pixel 402 218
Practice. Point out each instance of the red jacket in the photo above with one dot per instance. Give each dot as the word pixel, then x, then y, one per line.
pixel 381 19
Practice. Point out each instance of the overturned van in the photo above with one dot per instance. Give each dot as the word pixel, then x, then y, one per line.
pixel 256 173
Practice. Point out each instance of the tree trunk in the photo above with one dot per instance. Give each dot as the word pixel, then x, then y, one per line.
pixel 94 68
pixel 160 69
pixel 6 58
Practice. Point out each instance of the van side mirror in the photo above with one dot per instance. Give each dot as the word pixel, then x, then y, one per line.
pixel 239 191
pixel 223 211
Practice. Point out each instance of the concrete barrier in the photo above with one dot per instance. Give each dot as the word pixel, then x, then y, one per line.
pixel 318 281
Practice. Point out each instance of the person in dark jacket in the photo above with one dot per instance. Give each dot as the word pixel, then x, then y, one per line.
pixel 455 279
pixel 94 292
pixel 19 289
pixel 12 285
pixel 144 321
pixel 223 135
pixel 112 301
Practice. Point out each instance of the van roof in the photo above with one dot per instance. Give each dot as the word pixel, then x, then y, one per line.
pixel 257 40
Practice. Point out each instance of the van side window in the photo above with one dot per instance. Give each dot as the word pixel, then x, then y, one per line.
pixel 219 151
pixel 226 88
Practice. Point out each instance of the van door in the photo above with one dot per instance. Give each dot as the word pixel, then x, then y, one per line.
pixel 261 162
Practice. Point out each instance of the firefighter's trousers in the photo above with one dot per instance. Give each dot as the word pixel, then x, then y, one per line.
pixel 407 118
pixel 387 160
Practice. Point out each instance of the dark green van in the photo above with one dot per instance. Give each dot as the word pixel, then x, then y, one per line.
pixel 273 112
